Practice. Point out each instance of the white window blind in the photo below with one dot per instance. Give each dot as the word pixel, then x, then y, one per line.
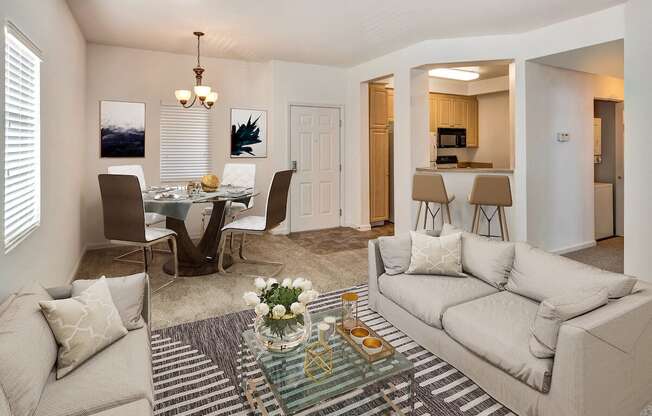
pixel 185 143
pixel 22 179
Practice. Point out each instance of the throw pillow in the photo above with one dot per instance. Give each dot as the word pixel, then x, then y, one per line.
pixel 488 260
pixel 127 292
pixel 395 252
pixel 541 275
pixel 554 311
pixel 28 350
pixel 83 325
pixel 436 255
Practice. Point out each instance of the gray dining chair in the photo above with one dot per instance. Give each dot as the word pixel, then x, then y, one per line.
pixel 275 213
pixel 124 218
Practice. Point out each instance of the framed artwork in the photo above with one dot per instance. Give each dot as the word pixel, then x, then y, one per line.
pixel 122 129
pixel 248 133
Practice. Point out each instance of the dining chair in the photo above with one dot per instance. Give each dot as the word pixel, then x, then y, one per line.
pixel 124 218
pixel 275 213
pixel 234 174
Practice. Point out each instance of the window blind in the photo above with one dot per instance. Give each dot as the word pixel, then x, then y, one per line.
pixel 22 179
pixel 185 143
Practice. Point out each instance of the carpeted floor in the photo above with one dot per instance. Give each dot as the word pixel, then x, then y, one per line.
pixel 196 367
pixel 608 254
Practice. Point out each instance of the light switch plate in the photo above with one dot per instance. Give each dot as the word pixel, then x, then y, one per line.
pixel 563 137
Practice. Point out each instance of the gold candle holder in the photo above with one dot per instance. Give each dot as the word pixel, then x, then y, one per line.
pixel 349 310
pixel 318 363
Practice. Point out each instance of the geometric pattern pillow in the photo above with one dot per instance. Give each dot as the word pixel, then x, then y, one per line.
pixel 83 325
pixel 436 255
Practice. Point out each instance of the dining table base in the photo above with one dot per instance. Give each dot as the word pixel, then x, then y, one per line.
pixel 201 258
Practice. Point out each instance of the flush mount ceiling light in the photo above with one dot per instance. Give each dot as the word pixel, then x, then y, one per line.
pixel 206 97
pixel 452 73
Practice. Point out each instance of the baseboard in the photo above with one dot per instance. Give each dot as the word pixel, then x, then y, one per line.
pixel 576 247
pixel 280 231
pixel 362 227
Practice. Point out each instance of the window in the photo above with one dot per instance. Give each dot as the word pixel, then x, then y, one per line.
pixel 185 144
pixel 22 179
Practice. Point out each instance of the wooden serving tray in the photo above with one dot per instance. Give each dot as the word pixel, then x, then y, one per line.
pixel 386 352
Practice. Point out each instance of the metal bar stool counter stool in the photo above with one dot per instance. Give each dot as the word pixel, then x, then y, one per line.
pixel 124 218
pixel 430 188
pixel 488 191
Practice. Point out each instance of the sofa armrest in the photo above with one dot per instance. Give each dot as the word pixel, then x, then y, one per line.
pixel 603 364
pixel 376 268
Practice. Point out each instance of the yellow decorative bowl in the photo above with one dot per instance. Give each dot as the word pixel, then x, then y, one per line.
pixel 372 345
pixel 210 183
pixel 358 334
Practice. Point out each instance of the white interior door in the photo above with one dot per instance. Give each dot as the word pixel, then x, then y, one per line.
pixel 315 149
pixel 620 170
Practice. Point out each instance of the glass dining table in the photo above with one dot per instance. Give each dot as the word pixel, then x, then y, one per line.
pixel 195 259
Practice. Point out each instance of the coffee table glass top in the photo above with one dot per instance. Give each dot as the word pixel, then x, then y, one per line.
pixel 295 391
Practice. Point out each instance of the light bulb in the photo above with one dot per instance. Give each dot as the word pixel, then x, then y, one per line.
pixel 202 91
pixel 212 97
pixel 182 95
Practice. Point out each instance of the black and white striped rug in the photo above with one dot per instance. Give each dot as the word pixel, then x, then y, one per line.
pixel 196 365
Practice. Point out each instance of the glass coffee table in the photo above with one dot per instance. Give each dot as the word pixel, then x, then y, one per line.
pixel 296 391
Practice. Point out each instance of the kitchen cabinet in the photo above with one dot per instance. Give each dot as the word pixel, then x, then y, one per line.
pixel 378 106
pixel 378 175
pixel 390 104
pixel 455 111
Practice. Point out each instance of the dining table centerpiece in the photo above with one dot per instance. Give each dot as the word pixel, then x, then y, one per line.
pixel 282 320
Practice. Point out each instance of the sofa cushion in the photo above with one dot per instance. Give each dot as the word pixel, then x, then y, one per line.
pixel 127 292
pixel 138 408
pixel 436 255
pixel 497 328
pixel 427 297
pixel 119 374
pixel 395 252
pixel 28 350
pixel 541 275
pixel 83 325
pixel 554 311
pixel 484 258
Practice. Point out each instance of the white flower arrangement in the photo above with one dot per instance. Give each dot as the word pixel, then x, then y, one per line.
pixel 282 304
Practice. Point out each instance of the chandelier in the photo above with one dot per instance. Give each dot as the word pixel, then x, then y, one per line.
pixel 206 97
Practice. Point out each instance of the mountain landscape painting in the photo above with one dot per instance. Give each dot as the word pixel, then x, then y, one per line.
pixel 248 133
pixel 122 129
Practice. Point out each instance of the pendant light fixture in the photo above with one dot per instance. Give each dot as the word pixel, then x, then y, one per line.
pixel 206 97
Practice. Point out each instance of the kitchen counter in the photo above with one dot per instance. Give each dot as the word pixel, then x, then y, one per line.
pixel 466 170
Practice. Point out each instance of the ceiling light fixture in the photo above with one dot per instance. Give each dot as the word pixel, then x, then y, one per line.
pixel 452 73
pixel 206 97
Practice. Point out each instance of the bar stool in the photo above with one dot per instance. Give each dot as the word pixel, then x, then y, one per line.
pixel 427 188
pixel 491 190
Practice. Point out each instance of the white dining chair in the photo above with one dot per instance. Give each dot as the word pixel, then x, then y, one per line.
pixel 234 174
pixel 151 218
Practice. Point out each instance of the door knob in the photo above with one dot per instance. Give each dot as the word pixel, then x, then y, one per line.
pixel 294 166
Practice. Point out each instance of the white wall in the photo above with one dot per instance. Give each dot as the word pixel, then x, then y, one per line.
pixel 152 78
pixel 560 175
pixel 50 253
pixel 638 146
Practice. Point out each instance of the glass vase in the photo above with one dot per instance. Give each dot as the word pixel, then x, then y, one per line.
pixel 284 334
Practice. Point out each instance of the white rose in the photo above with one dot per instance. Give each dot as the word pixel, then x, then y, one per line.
pixel 298 282
pixel 312 295
pixel 260 283
pixel 262 309
pixel 303 297
pixel 307 285
pixel 287 282
pixel 270 282
pixel 278 311
pixel 251 298
pixel 297 308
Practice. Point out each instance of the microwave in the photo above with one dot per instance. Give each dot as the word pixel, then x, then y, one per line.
pixel 451 138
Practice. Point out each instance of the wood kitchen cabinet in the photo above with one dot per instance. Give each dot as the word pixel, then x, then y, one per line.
pixel 432 100
pixel 445 108
pixel 390 104
pixel 378 106
pixel 472 123
pixel 455 111
pixel 378 175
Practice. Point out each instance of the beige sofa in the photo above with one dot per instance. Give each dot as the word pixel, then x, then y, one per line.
pixel 603 363
pixel 117 381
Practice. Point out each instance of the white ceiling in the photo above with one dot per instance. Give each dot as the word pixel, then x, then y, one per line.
pixel 603 59
pixel 335 32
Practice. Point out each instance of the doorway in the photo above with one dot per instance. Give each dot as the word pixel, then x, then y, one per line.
pixel 315 157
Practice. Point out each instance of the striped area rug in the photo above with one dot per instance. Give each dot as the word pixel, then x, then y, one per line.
pixel 196 369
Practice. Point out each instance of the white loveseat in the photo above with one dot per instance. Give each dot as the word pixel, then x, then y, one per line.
pixel 603 361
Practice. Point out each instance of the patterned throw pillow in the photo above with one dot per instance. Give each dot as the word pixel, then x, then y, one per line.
pixel 83 325
pixel 436 255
